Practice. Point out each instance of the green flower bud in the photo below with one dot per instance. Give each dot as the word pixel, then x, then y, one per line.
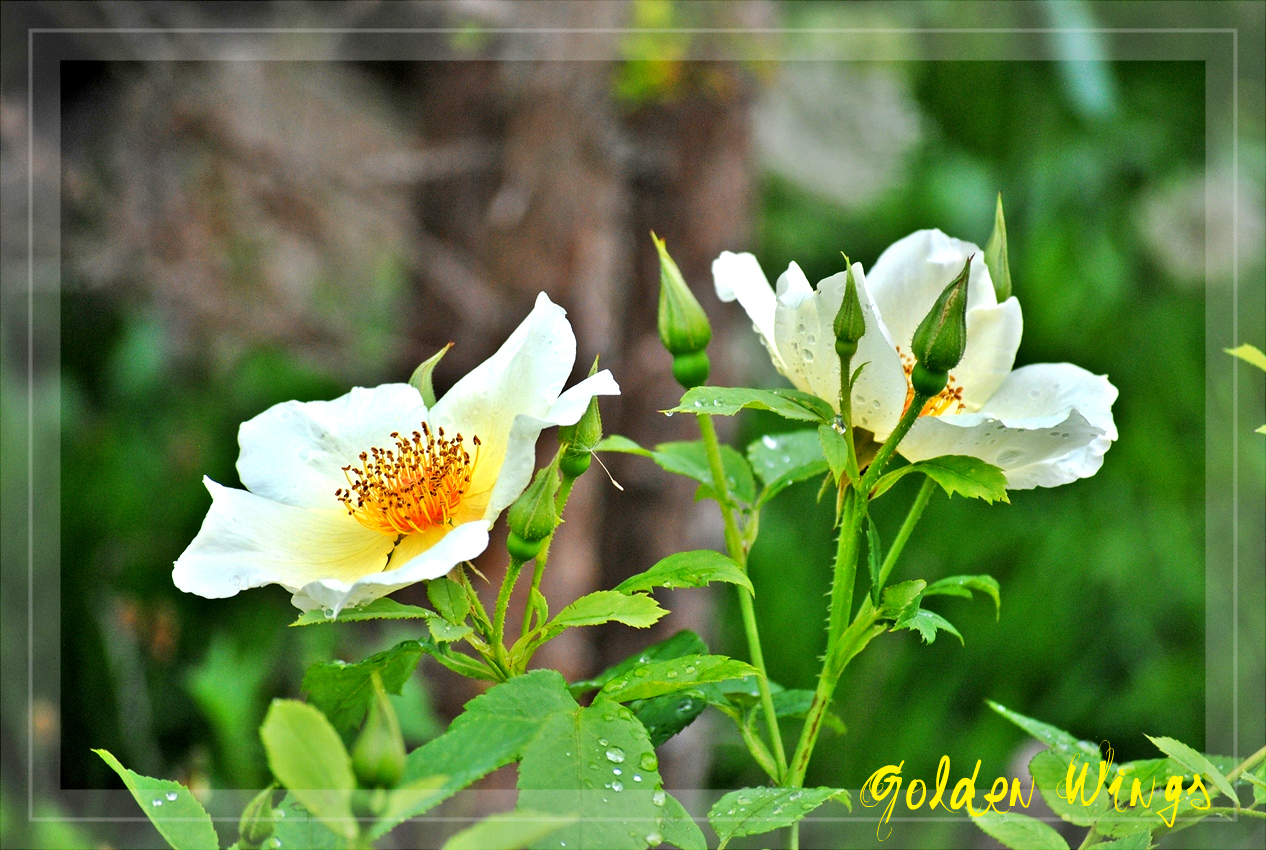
pixel 378 754
pixel 421 378
pixel 941 337
pixel 533 516
pixel 996 256
pixel 850 324
pixel 926 382
pixel 691 370
pixel 580 438
pixel 522 550
pixel 683 326
pixel 257 819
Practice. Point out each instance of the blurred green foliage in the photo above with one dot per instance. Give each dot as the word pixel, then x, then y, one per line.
pixel 1102 627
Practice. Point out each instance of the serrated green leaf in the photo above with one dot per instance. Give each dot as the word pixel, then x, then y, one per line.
pixel 343 692
pixel 1194 761
pixel 679 828
pixel 294 826
pixel 170 806
pixel 665 716
pixel 1020 832
pixel 752 811
pixel 445 632
pixel 780 460
pixel 690 459
pixel 663 677
pixel 964 585
pixel 901 599
pixel 514 830
pixel 1249 354
pixel 963 474
pixel 688 569
pixel 606 606
pixel 1259 787
pixel 685 642
pixel 1136 841
pixel 449 599
pixel 597 760
pixel 926 623
pixel 308 758
pixel 379 609
pixel 726 401
pixel 834 449
pixel 1055 738
pixel 421 377
pixel 493 730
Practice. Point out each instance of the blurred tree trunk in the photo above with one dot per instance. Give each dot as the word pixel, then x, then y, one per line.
pixel 581 177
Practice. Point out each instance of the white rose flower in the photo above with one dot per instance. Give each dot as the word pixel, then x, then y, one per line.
pixel 1044 425
pixel 351 499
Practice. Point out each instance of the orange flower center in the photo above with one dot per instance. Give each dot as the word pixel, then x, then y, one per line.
pixel 948 400
pixel 415 486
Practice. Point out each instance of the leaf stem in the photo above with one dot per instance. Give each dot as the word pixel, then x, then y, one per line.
pixel 738 552
pixel 907 528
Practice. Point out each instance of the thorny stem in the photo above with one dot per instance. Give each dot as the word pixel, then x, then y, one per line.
pixel 503 603
pixel 842 644
pixel 738 552
pixel 1248 764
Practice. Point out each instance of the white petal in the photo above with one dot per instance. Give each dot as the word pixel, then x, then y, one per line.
pixel 1043 388
pixel 520 455
pixel 1007 444
pixel 792 286
pixel 907 278
pixel 294 452
pixel 880 391
pixel 804 335
pixel 1081 463
pixel 248 541
pixel 524 377
pixel 458 544
pixel 739 276
pixel 993 337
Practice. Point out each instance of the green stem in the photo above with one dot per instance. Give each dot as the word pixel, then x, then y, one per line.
pixel 842 644
pixel 850 643
pixel 503 603
pixel 1248 764
pixel 560 502
pixel 1090 836
pixel 738 552
pixel 907 527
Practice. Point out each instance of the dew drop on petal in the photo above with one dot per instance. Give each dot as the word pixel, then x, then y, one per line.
pixel 616 771
pixel 659 798
pixel 654 839
pixel 666 413
pixel 602 742
pixel 615 754
pixel 171 795
pixel 156 802
pixel 672 674
pixel 648 761
pixel 637 777
pixel 617 786
pixel 810 339
pixel 807 356
pixel 770 442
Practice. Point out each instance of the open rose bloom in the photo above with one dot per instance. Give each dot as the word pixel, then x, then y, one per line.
pixel 351 499
pixel 1043 425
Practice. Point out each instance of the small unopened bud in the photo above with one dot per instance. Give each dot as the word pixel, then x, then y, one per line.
pixel 257 820
pixel 941 337
pixel 996 256
pixel 580 438
pixel 533 516
pixel 850 324
pixel 683 326
pixel 378 754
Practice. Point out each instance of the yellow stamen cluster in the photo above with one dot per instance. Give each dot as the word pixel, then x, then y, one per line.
pixel 948 400
pixel 415 486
